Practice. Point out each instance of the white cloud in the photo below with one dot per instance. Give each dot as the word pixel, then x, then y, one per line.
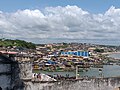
pixel 69 22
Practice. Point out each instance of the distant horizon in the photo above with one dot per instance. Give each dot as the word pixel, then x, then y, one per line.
pixel 90 41
pixel 113 42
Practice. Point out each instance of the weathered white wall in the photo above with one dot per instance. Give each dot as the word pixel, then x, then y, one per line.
pixel 25 70
pixel 37 86
pixel 92 84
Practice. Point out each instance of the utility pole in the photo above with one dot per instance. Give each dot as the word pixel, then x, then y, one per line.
pixel 76 72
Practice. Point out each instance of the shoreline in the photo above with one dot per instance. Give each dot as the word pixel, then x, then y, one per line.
pixel 108 53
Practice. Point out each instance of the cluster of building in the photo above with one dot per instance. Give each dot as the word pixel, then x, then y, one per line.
pixel 64 56
pixel 61 56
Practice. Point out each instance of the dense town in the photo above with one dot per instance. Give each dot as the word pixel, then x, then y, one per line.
pixel 61 57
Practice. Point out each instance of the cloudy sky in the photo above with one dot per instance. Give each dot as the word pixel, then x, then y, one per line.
pixel 45 21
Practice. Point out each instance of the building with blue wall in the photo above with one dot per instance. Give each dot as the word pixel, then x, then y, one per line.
pixel 76 53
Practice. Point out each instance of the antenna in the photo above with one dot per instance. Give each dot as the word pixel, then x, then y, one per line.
pixel 3 37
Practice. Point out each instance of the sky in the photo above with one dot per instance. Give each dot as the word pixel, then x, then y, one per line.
pixel 93 6
pixel 48 21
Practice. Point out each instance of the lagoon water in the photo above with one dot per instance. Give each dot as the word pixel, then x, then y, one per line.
pixel 107 71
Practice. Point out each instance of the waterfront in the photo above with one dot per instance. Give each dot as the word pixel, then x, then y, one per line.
pixel 107 71
pixel 112 70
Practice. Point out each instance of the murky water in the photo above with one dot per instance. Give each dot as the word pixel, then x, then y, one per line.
pixel 107 71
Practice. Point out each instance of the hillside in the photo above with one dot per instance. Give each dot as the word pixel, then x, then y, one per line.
pixel 17 43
